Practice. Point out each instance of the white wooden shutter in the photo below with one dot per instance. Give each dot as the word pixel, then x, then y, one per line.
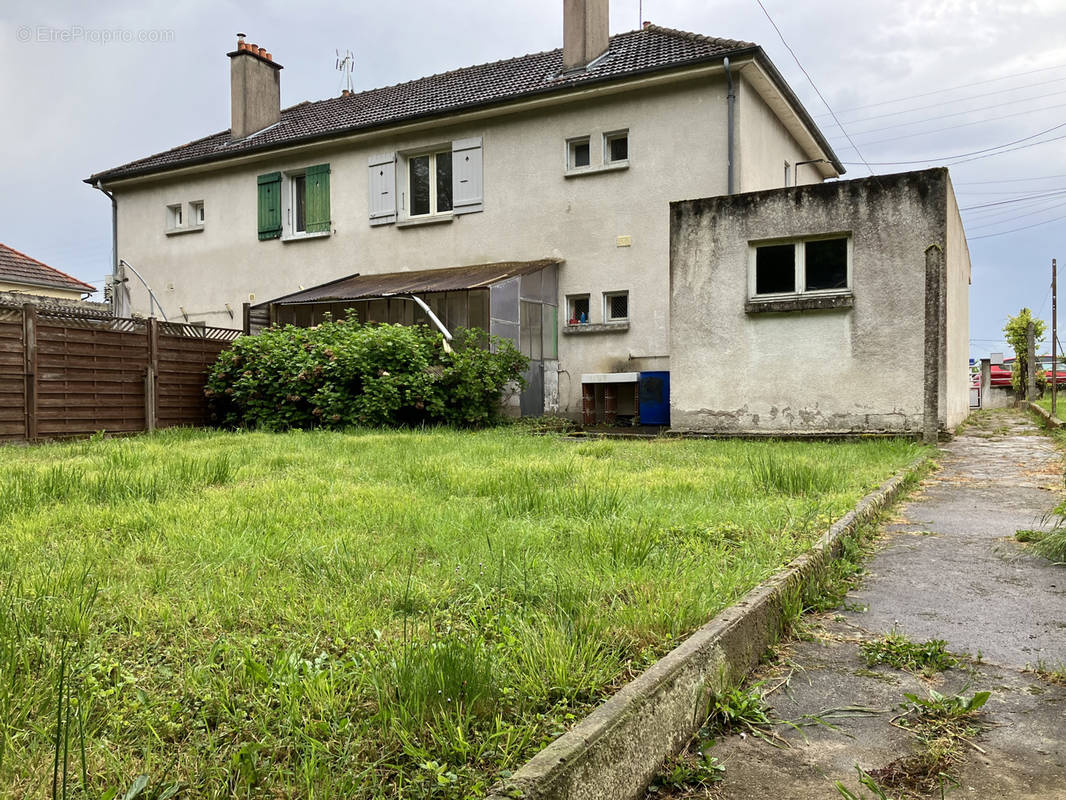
pixel 382 189
pixel 467 181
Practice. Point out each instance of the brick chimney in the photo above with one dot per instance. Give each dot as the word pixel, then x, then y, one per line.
pixel 585 32
pixel 255 89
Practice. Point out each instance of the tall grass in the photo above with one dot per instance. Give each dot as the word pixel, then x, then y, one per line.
pixel 365 614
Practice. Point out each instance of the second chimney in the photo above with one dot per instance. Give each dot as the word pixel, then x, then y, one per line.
pixel 586 31
pixel 255 90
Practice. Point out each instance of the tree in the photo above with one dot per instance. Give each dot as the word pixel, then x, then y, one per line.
pixel 1015 331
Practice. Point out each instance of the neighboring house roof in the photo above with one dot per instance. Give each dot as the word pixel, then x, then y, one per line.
pixel 648 49
pixel 16 267
pixel 451 279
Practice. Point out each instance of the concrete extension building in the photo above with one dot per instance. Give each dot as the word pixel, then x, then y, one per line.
pixel 554 171
pixel 836 308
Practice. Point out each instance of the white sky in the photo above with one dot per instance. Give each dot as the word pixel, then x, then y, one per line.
pixel 910 80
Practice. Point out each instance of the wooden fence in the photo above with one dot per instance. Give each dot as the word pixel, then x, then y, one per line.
pixel 64 375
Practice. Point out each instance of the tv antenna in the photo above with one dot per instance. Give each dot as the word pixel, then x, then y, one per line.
pixel 345 66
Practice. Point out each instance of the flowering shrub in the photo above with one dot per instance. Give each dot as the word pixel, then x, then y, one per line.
pixel 346 373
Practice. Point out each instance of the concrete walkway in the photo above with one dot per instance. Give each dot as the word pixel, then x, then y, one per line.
pixel 948 567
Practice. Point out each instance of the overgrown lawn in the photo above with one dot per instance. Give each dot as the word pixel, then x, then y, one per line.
pixel 366 614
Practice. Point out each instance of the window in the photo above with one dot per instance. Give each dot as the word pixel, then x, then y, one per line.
pixel 430 184
pixel 820 265
pixel 294 203
pixel 196 212
pixel 577 308
pixel 616 147
pixel 174 216
pixel 578 153
pixel 615 306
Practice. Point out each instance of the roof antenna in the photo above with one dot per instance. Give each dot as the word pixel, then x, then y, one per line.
pixel 640 6
pixel 345 66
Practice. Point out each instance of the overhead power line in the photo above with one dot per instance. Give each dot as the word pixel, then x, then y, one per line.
pixel 949 89
pixel 1015 230
pixel 967 155
pixel 1056 193
pixel 813 85
pixel 924 120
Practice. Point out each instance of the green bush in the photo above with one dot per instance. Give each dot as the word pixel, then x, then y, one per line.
pixel 345 373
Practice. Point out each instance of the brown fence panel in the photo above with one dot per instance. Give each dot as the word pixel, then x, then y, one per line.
pixel 90 375
pixel 12 375
pixel 182 370
pixel 63 375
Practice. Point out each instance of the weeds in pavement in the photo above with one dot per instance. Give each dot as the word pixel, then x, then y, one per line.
pixel 896 650
pixel 941 724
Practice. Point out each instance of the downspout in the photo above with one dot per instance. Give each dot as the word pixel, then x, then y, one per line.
pixel 731 100
pixel 116 285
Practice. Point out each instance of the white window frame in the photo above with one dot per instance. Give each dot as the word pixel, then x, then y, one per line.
pixel 196 213
pixel 570 313
pixel 175 216
pixel 571 145
pixel 607 297
pixel 800 267
pixel 434 212
pixel 608 138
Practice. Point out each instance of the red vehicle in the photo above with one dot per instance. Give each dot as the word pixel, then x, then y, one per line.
pixel 1001 374
pixel 1044 362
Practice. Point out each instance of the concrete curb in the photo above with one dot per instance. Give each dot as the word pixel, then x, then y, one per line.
pixel 616 750
pixel 1049 421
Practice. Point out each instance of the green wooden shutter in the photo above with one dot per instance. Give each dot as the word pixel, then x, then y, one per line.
pixel 317 219
pixel 270 206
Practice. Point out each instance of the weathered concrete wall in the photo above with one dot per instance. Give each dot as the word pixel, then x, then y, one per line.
pixel 855 367
pixel 956 400
pixel 999 397
pixel 677 141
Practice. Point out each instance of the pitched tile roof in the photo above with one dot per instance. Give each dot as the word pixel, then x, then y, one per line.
pixel 649 49
pixel 16 267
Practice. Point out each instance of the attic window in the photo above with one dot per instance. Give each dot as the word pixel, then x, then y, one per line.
pixel 578 153
pixel 616 147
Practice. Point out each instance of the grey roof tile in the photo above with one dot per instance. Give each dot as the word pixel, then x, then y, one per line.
pixel 648 49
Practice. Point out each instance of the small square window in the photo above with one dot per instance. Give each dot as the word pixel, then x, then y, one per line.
pixel 196 212
pixel 616 147
pixel 578 153
pixel 577 309
pixel 175 217
pixel 616 306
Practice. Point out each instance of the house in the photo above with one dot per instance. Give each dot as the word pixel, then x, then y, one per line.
pixel 556 167
pixel 841 307
pixel 24 279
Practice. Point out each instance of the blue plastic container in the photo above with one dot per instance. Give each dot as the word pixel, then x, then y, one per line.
pixel 655 398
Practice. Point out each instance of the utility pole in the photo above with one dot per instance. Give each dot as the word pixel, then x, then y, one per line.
pixel 1054 336
pixel 1030 366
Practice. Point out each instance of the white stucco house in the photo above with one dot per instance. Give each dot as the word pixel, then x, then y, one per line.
pixel 529 197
